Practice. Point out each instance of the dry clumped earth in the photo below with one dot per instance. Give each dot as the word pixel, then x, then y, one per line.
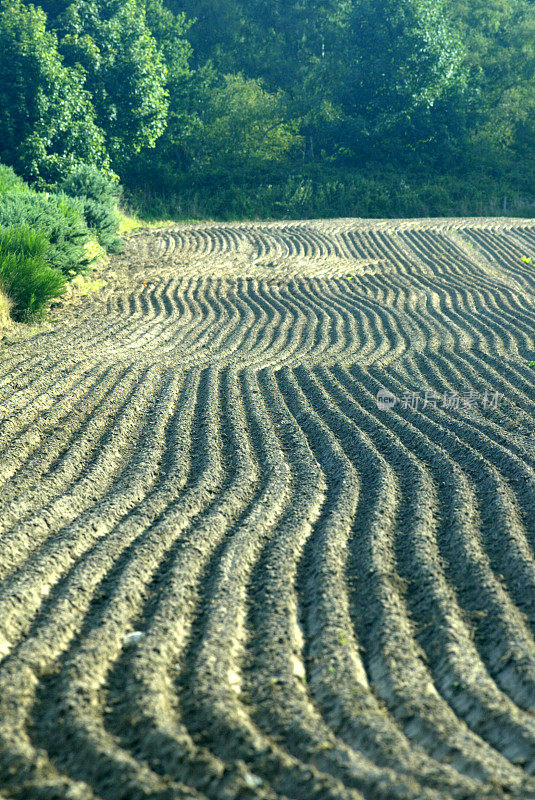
pixel 225 572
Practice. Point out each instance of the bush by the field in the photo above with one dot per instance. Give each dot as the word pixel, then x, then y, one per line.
pixel 99 196
pixel 26 276
pixel 10 182
pixel 104 220
pixel 60 218
pixel 86 181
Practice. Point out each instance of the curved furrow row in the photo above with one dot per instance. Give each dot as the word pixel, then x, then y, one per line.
pixel 50 634
pixel 133 330
pixel 190 562
pixel 506 254
pixel 388 655
pixel 264 245
pixel 483 304
pixel 391 331
pixel 214 701
pixel 510 648
pixel 72 522
pixel 86 470
pixel 336 666
pixel 293 713
pixel 85 666
pixel 210 687
pixel 34 386
pixel 255 521
pixel 445 258
pixel 448 373
pixel 456 264
pixel 23 409
pixel 470 316
pixel 448 318
pixel 503 565
pixel 204 473
pixel 524 238
pixel 170 620
pixel 38 448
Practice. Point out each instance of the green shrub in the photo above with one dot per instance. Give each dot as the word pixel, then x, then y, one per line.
pixel 60 219
pixel 91 182
pixel 26 276
pixel 99 196
pixel 10 182
pixel 104 220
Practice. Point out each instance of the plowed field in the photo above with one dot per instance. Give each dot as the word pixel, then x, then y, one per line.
pixel 226 569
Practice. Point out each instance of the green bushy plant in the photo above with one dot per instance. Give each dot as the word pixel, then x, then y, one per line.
pixel 60 218
pixel 91 182
pixel 26 276
pixel 10 182
pixel 104 220
pixel 99 196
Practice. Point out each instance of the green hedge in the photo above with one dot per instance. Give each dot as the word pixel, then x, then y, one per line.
pixel 327 193
pixel 44 237
pixel 104 220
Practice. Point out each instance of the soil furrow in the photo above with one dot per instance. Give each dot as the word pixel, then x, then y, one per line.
pixel 267 520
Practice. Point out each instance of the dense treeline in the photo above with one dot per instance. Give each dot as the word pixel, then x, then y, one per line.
pixel 276 107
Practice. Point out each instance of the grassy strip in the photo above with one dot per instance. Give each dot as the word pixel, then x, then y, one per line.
pixel 323 194
pixel 127 222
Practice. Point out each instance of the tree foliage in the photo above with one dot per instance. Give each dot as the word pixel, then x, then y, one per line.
pixel 47 121
pixel 499 38
pixel 110 42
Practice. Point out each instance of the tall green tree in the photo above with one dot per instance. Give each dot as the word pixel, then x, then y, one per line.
pixel 126 74
pixel 47 121
pixel 500 53
pixel 356 74
pixel 394 61
pixel 241 126
pixel 169 31
pixel 216 30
